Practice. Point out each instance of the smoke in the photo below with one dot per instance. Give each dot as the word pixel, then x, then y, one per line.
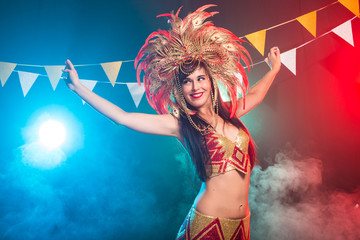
pixel 36 155
pixel 120 196
pixel 288 201
pixel 106 194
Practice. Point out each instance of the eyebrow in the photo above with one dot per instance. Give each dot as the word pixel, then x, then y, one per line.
pixel 202 75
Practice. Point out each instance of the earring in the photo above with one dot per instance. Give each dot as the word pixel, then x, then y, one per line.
pixel 213 99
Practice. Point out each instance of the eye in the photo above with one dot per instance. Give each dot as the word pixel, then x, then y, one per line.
pixel 201 78
pixel 185 81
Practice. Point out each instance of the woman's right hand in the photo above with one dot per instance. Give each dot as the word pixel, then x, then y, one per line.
pixel 72 78
pixel 147 123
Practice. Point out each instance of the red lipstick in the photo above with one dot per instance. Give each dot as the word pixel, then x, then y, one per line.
pixel 197 95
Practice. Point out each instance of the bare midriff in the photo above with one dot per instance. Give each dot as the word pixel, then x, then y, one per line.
pixel 225 196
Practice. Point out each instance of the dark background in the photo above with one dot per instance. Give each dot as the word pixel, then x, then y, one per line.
pixel 120 184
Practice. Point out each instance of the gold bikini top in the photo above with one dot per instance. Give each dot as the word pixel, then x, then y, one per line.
pixel 226 155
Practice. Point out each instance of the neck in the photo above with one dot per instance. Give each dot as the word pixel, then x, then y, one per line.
pixel 206 112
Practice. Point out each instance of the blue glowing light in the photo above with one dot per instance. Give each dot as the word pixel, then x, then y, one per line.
pixel 52 134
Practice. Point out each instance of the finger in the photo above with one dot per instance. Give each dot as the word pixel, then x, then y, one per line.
pixel 71 66
pixel 66 70
pixel 272 50
pixel 276 50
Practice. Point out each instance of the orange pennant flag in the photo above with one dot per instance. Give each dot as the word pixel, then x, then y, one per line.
pixel 309 22
pixel 257 39
pixel 352 5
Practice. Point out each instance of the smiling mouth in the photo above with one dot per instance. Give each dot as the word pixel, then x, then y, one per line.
pixel 197 95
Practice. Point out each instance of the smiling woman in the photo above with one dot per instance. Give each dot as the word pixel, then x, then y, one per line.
pixel 182 67
pixel 197 89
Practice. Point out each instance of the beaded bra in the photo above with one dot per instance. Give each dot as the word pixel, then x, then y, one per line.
pixel 226 155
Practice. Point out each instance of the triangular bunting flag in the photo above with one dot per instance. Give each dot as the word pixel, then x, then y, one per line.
pixel 5 71
pixel 90 84
pixel 27 79
pixel 112 70
pixel 309 22
pixel 345 32
pixel 54 73
pixel 224 93
pixel 289 60
pixel 239 76
pixel 136 92
pixel 258 40
pixel 352 5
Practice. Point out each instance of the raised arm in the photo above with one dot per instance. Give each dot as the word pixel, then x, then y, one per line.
pixel 147 123
pixel 257 93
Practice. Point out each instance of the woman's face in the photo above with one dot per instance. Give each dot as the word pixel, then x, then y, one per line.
pixel 197 88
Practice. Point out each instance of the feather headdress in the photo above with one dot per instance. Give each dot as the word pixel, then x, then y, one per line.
pixel 190 40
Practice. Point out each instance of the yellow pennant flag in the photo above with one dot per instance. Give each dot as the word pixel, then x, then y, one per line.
pixel 352 5
pixel 309 22
pixel 5 71
pixel 257 39
pixel 112 70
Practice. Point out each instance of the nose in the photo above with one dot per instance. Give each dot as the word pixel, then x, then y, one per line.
pixel 195 86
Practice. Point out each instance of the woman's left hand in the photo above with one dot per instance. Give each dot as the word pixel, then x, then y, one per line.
pixel 273 59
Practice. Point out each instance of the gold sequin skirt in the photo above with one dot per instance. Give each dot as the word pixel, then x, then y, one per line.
pixel 198 226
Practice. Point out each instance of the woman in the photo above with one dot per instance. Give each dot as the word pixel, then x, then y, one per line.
pixel 183 67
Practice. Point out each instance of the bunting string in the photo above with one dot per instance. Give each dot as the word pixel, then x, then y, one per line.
pixel 78 65
pixel 42 75
pixel 257 39
pixel 304 44
pixel 292 20
pixel 322 34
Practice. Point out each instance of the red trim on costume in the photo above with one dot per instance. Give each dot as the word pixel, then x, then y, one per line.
pixel 217 153
pixel 213 231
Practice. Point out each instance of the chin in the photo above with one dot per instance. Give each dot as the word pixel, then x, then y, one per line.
pixel 197 103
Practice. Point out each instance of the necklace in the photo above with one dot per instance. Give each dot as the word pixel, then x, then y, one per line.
pixel 205 130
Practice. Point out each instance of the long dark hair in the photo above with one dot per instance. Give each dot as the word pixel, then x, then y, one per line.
pixel 195 141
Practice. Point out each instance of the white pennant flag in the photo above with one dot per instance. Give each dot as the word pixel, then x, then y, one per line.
pixel 345 32
pixel 289 60
pixel 239 76
pixel 224 94
pixel 90 84
pixel 5 71
pixel 54 73
pixel 27 79
pixel 136 92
